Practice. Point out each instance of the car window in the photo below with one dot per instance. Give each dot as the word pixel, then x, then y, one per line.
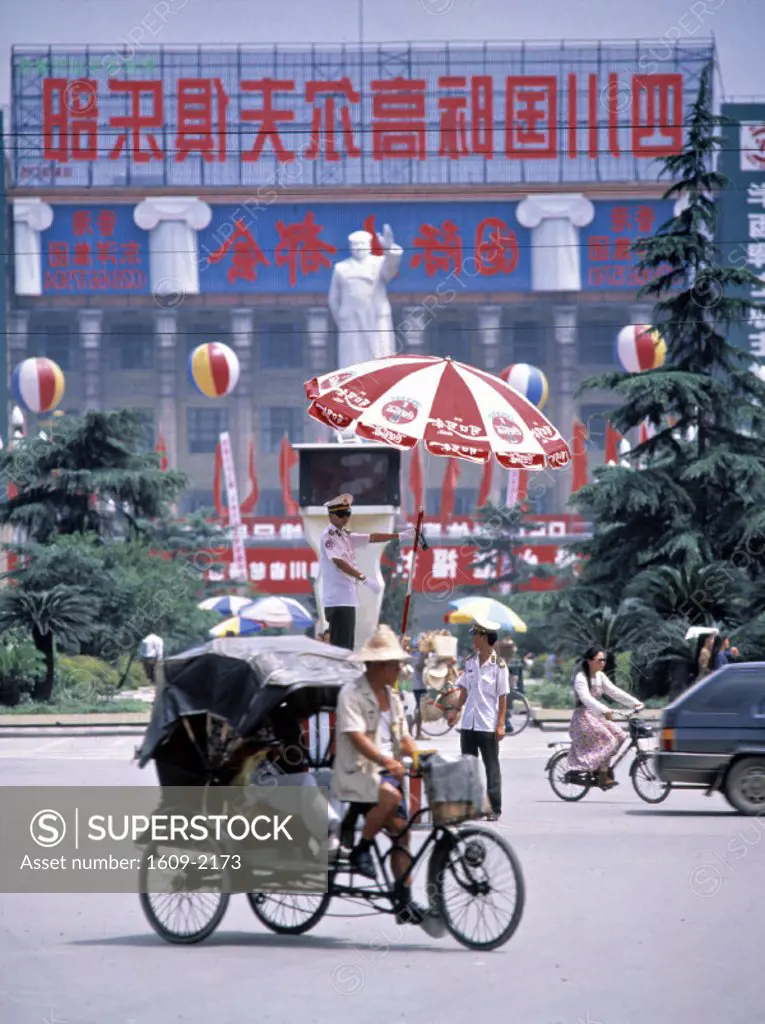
pixel 731 690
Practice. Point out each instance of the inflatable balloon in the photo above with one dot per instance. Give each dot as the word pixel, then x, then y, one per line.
pixel 38 384
pixel 214 369
pixel 528 381
pixel 640 348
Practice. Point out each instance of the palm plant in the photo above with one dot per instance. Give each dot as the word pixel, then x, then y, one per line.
pixel 61 614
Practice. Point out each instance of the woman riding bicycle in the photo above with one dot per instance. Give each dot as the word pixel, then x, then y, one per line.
pixel 594 738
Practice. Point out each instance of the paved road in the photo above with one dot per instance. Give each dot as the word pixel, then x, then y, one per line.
pixel 633 914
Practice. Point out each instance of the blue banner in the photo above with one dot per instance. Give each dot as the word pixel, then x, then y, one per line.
pixel 95 249
pixel 293 248
pixel 608 264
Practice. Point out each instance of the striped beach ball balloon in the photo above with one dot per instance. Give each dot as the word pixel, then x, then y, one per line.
pixel 38 384
pixel 639 348
pixel 214 369
pixel 529 381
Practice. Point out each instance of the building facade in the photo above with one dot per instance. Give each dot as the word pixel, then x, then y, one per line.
pixel 167 198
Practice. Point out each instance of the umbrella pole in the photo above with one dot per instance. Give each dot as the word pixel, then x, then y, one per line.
pixel 417 532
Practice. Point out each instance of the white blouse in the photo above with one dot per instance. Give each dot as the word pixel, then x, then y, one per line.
pixel 600 685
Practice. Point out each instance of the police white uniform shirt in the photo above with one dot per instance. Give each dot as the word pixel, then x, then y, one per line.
pixel 485 684
pixel 338 589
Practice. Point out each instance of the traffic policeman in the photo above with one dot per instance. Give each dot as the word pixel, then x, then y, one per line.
pixel 339 573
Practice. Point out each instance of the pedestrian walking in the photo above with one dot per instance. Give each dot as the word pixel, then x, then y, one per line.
pixel 339 573
pixel 151 651
pixel 485 683
pixel 419 689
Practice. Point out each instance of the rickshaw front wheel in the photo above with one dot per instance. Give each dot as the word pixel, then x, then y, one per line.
pixel 289 913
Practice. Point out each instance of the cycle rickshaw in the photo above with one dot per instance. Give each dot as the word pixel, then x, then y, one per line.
pixel 218 703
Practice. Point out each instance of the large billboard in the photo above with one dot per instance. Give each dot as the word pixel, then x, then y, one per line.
pixel 410 114
pixel 742 222
pixel 291 248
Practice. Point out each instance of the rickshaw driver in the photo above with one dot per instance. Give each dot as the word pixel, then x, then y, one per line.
pixel 372 734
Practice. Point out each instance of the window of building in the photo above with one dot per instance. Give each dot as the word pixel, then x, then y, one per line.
pixel 131 345
pixel 451 338
pixel 271 503
pixel 529 342
pixel 194 500
pixel 595 418
pixel 596 339
pixel 147 437
pixel 281 345
pixel 204 426
pixel 56 340
pixel 278 421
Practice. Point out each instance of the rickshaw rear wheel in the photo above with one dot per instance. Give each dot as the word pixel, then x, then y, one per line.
pixel 307 910
pixel 182 900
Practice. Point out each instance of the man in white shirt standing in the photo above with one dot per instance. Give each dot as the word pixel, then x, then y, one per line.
pixel 152 650
pixel 485 684
pixel 338 572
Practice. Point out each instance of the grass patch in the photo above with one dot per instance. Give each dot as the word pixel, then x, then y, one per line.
pixel 68 707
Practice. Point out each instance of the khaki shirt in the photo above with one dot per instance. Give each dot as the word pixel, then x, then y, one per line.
pixel 355 778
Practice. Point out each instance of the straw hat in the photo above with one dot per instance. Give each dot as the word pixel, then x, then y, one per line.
pixel 383 645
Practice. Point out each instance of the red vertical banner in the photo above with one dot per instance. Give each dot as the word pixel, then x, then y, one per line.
pixel 449 489
pixel 220 508
pixel 288 459
pixel 579 456
pixel 250 503
pixel 161 449
pixel 613 440
pixel 484 489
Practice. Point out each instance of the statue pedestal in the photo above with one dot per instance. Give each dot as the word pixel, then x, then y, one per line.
pixel 372 474
pixel 372 519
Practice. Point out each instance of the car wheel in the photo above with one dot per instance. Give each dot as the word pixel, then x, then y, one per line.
pixel 744 786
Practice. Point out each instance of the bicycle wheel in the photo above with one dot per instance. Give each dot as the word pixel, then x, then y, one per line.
pixel 478 887
pixel 565 783
pixel 191 905
pixel 438 726
pixel 647 783
pixel 519 712
pixel 289 913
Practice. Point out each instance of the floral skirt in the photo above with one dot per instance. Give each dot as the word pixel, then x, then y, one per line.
pixel 594 741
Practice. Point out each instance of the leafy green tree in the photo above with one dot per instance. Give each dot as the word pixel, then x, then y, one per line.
pixel 497 545
pixel 696 500
pixel 89 476
pixel 394 595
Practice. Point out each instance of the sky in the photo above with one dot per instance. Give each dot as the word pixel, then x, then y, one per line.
pixel 738 26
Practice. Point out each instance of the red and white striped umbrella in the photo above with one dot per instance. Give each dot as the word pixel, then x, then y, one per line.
pixel 454 409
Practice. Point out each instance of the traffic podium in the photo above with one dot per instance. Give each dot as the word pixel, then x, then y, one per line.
pixel 371 473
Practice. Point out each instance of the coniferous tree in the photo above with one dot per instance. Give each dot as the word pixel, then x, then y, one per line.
pixel 693 495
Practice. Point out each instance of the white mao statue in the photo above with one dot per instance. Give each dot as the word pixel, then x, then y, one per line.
pixel 358 300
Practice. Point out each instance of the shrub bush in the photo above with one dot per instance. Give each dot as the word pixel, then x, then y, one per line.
pixel 21 667
pixel 551 695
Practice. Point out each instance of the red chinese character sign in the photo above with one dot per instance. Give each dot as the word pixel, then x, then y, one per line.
pixel 610 244
pixel 592 117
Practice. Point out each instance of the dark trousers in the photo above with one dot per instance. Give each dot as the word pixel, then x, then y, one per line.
pixel 342 626
pixel 475 742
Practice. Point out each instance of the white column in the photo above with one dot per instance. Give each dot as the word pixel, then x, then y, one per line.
pixel 554 221
pixel 412 330
pixel 489 325
pixel 166 330
pixel 90 323
pixel 173 251
pixel 30 218
pixel 242 330
pixel 565 327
